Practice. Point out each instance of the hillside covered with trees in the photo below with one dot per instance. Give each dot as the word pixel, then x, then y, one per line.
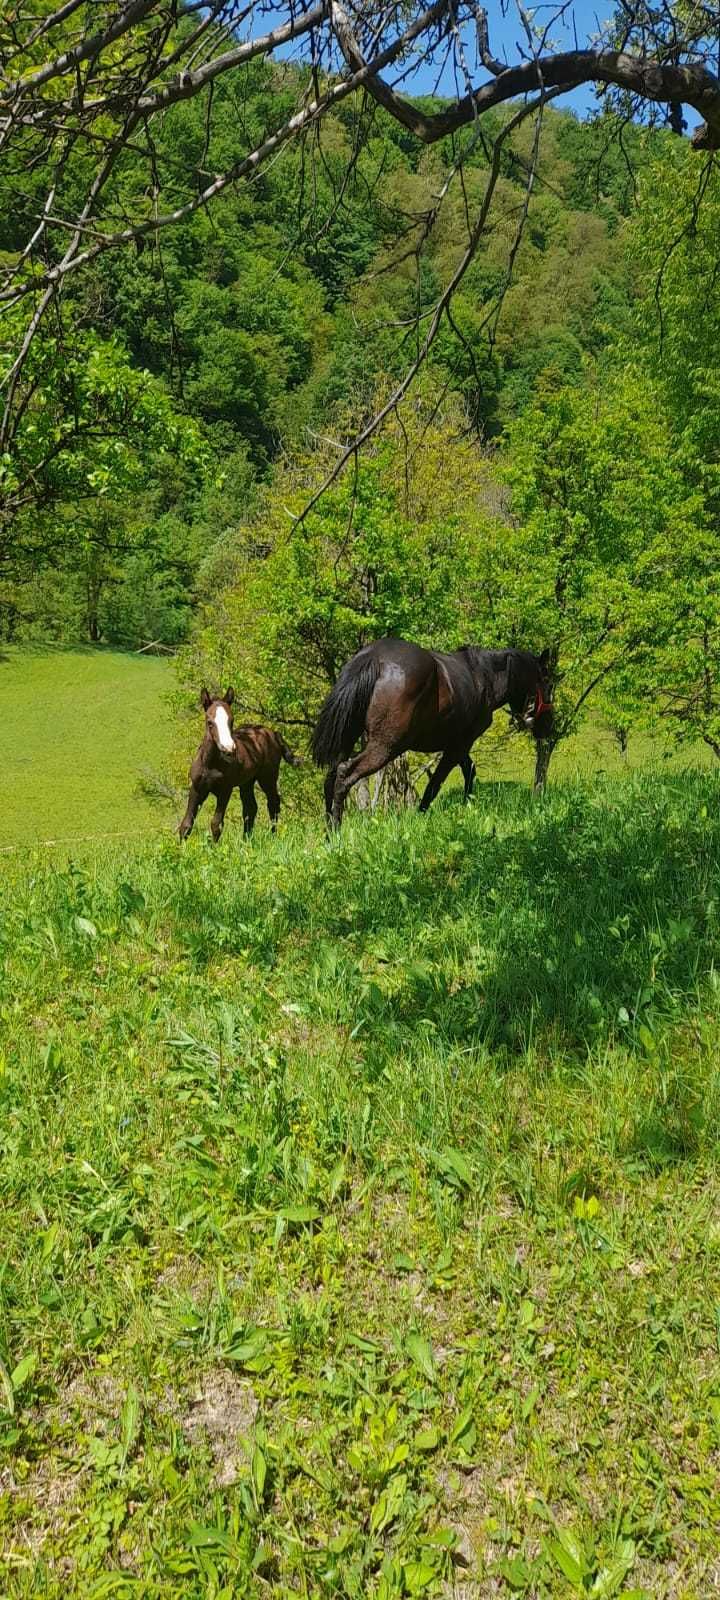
pixel 549 478
pixel 184 370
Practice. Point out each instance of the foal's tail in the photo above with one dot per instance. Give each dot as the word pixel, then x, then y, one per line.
pixel 287 754
pixel 342 718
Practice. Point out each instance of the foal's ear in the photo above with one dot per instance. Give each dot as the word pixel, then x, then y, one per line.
pixel 229 696
pixel 546 660
pixel 205 699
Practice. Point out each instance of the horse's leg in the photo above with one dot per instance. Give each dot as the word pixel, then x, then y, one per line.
pixel 467 767
pixel 375 756
pixel 218 817
pixel 329 791
pixel 249 805
pixel 197 795
pixel 270 791
pixel 443 768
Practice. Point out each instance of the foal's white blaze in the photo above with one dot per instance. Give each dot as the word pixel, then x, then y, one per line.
pixel 222 725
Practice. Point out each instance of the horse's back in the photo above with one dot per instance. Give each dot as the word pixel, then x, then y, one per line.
pixel 257 746
pixel 393 651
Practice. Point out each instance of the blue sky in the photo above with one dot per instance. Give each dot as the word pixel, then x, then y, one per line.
pixel 579 28
pixel 507 39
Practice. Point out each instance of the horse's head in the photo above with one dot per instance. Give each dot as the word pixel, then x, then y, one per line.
pixel 538 715
pixel 219 719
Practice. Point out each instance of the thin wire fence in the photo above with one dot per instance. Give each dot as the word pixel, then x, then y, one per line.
pixel 85 838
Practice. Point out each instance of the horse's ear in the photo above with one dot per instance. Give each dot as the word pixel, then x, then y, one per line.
pixel 229 695
pixel 546 660
pixel 205 700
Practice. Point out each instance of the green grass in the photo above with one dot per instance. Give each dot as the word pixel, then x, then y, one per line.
pixel 360 1207
pixel 80 729
pixel 77 729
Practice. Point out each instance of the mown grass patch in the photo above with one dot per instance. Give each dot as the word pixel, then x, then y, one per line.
pixel 360 1207
pixel 78 729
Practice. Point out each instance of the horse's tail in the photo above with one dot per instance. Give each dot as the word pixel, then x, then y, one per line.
pixel 288 754
pixel 342 718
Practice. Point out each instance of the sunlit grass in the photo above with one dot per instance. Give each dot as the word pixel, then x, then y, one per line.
pixel 77 730
pixel 360 1206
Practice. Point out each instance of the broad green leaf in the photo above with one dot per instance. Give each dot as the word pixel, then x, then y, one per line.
pixel 387 1506
pixel 453 1166
pixel 359 1343
pixel 129 1421
pixel 417 1575
pixel 258 1472
pixel 517 1573
pixel 571 1564
pixel 420 1352
pixel 299 1213
pixel 572 1543
pixel 427 1439
pixel 465 1421
pixel 50 1240
pixel 203 1538
pixel 23 1371
pixel 6 1389
pixel 530 1402
pixel 338 1178
pixel 608 1580
pixel 341 1541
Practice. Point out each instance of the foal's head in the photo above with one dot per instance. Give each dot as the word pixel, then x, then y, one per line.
pixel 537 714
pixel 219 719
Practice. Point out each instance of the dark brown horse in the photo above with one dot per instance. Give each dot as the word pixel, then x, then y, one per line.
pixel 400 697
pixel 234 758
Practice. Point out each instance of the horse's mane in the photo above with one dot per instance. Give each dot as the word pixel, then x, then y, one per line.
pixel 476 651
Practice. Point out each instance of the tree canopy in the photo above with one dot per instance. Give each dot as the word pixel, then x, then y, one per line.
pixel 230 241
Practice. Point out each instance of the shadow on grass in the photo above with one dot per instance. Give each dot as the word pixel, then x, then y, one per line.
pixel 588 914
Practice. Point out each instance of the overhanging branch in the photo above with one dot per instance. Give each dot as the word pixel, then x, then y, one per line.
pixel 691 84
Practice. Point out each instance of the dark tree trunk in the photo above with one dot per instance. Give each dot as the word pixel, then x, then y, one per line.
pixel 363 798
pixel 543 755
pixel 396 789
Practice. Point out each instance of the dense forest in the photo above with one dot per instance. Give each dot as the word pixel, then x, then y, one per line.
pixel 551 478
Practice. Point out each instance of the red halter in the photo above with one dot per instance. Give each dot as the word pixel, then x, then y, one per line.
pixel 540 703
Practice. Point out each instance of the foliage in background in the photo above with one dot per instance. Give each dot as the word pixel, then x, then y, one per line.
pixel 392 548
pixel 289 301
pixel 95 427
pixel 608 543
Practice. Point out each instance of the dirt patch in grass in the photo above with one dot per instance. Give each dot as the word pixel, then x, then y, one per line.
pixel 222 1413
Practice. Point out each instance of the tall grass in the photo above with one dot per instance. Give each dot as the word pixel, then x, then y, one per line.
pixel 359 1206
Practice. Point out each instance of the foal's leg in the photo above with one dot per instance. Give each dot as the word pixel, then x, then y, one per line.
pixel 218 816
pixel 196 797
pixel 375 756
pixel 250 810
pixel 442 770
pixel 270 791
pixel 467 767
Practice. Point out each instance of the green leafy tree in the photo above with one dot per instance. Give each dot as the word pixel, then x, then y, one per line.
pixel 388 550
pixel 91 426
pixel 608 535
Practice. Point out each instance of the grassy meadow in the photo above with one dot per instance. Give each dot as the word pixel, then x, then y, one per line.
pixel 360 1206
pixel 78 728
pixel 88 736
